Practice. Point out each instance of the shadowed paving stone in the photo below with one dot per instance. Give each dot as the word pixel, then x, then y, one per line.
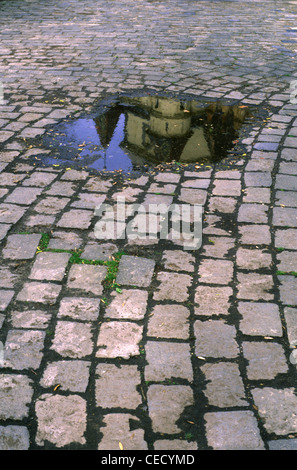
pixel 284 216
pixel 253 213
pixel 226 188
pixel 116 386
pixel 50 266
pixel 119 339
pixel 254 234
pixel 167 177
pixel 3 230
pixel 219 247
pixel 291 321
pixel 166 404
pixel 193 196
pixel 215 339
pixel 14 438
pixel 72 375
pixel 23 349
pixel 173 286
pixel 39 292
pixel 265 360
pixel 178 260
pixel 288 290
pixel 76 218
pixel 212 300
pixel 134 271
pixel 260 319
pixel 224 386
pixel 167 360
pixel 61 420
pixel 11 213
pixel 233 430
pixel 222 204
pixel 116 428
pixel 255 286
pixel 87 277
pixel 79 308
pixel 130 304
pixel 266 146
pixel 277 408
pixel 169 321
pixel 174 444
pixel 16 393
pixel 5 298
pixel 73 339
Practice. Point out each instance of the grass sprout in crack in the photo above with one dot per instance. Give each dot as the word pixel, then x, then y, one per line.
pixel 137 132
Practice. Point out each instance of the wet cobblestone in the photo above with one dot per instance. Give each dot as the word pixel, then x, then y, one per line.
pixel 139 344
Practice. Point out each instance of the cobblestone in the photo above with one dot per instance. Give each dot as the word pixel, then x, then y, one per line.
pixel 142 344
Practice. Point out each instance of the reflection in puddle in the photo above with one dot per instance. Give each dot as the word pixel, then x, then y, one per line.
pixel 147 130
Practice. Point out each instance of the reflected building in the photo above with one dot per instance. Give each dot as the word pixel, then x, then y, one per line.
pixel 163 129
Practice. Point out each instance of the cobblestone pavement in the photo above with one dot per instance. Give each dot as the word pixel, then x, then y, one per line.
pixel 196 348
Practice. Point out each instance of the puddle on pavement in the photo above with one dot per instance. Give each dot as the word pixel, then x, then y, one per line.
pixel 136 132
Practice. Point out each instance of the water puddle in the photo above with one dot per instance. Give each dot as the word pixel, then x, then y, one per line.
pixel 131 133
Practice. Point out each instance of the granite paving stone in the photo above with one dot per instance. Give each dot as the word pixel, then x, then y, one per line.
pixel 233 430
pixel 72 375
pixel 61 419
pixel 265 360
pixel 169 321
pixel 135 271
pixel 23 349
pixel 167 360
pixel 16 393
pixel 87 278
pixel 129 304
pixel 49 266
pixel 215 338
pixel 119 339
pixel 117 386
pixel 173 286
pixel 260 319
pixel 212 300
pixel 14 438
pixel 166 404
pixel 277 408
pixel 72 339
pixel 116 429
pixel 45 293
pixel 224 386
pixel 255 286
